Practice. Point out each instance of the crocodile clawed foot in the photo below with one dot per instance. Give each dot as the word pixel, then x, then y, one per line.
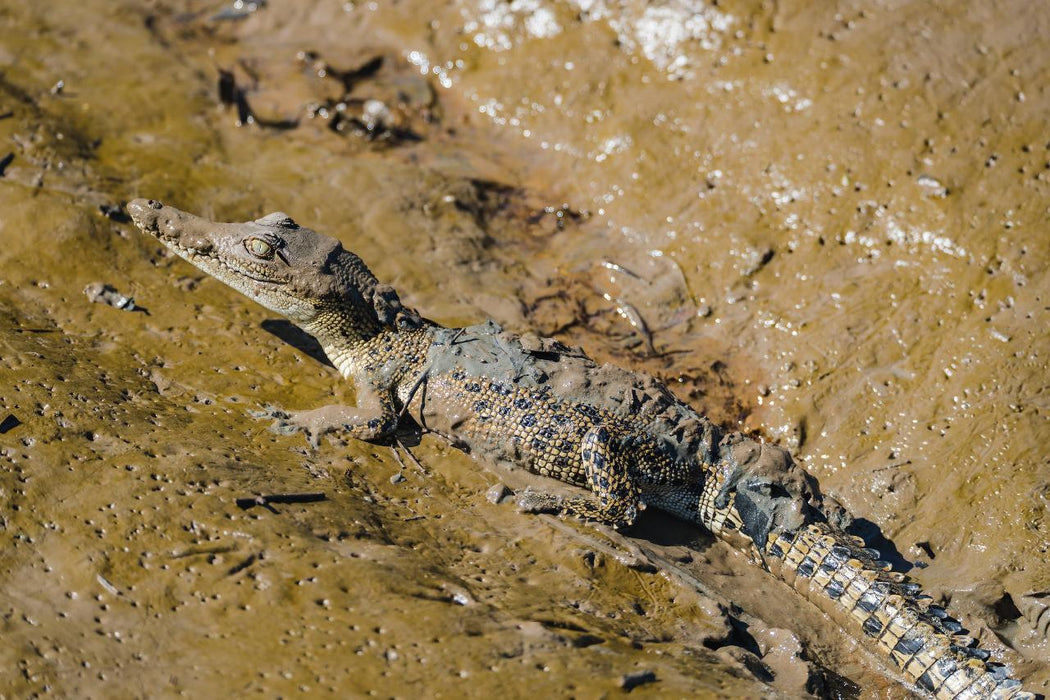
pixel 289 423
pixel 530 501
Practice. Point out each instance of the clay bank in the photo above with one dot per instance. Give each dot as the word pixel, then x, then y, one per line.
pixel 819 226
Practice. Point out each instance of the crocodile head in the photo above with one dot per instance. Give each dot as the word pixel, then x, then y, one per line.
pixel 304 275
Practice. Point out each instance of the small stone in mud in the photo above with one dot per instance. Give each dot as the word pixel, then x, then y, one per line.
pixel 924 548
pixel 188 284
pixel 637 562
pixel 239 9
pixel 375 115
pixel 756 259
pixel 629 681
pixel 1035 607
pixel 102 293
pixel 397 478
pixel 114 212
pixel 497 492
pixel 932 186
pixel 462 598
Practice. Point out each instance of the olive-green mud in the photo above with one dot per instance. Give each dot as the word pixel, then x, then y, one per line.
pixel 825 223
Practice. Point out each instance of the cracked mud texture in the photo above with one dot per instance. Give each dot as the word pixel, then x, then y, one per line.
pixel 821 224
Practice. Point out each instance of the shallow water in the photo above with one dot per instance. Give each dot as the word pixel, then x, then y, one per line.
pixel 823 226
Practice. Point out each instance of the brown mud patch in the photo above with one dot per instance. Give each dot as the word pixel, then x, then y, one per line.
pixel 824 225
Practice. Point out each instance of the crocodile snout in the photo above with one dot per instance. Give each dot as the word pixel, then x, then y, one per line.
pixel 144 212
pixel 174 228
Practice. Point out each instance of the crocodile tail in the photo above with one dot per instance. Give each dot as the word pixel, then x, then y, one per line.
pixel 847 581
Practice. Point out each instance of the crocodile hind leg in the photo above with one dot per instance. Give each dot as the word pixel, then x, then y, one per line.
pixel 615 501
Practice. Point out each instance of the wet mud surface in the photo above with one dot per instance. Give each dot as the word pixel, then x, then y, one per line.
pixel 821 225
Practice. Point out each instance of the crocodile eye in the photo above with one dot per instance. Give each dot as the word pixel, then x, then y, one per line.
pixel 259 248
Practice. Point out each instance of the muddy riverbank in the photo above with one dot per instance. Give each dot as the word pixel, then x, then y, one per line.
pixel 821 224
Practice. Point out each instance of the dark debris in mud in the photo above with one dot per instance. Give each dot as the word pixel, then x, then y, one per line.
pixel 497 493
pixel 629 681
pixel 232 94
pixel 102 293
pixel 560 216
pixel 371 119
pixel 349 78
pixel 379 100
pixel 114 212
pixel 9 423
pixel 268 500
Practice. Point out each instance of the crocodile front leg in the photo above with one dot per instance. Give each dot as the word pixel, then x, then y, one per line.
pixel 374 418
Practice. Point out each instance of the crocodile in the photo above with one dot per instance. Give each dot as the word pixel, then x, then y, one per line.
pixel 622 436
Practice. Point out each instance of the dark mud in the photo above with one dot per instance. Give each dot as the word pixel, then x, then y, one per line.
pixel 822 225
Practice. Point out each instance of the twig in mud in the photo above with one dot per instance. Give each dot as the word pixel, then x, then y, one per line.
pixel 615 267
pixel 631 315
pixel 892 466
pixel 400 463
pixel 268 499
pixel 397 456
pixel 197 551
pixel 110 588
pixel 411 456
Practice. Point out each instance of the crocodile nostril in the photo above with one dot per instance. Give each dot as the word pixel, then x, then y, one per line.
pixel 154 204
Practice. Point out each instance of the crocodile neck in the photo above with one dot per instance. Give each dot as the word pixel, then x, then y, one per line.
pixel 359 355
pixel 345 339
